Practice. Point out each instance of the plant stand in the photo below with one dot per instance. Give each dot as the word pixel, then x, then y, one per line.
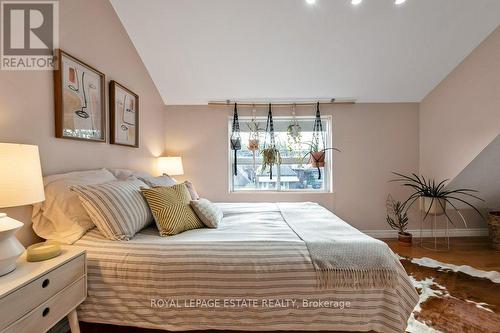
pixel 436 242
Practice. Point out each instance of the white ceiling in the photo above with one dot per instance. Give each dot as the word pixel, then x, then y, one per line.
pixel 201 50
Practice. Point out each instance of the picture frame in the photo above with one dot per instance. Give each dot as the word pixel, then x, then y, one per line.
pixel 123 115
pixel 79 100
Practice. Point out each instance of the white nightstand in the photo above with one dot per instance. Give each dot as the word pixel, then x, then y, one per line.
pixel 36 295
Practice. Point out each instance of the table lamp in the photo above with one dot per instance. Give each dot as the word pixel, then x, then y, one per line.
pixel 171 166
pixel 21 184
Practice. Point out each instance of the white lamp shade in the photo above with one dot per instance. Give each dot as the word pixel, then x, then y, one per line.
pixel 171 166
pixel 21 180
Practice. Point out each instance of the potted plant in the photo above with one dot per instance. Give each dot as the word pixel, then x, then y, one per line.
pixel 434 197
pixel 397 218
pixel 317 155
pixel 293 136
pixel 294 131
pixel 270 157
pixel 254 141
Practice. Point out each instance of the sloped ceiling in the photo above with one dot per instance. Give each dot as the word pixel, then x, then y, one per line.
pixel 200 50
pixel 483 175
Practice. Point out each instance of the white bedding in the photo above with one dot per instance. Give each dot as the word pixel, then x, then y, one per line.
pixel 252 273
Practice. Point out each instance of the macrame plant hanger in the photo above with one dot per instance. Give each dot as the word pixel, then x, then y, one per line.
pixel 270 131
pixel 235 138
pixel 254 137
pixel 317 135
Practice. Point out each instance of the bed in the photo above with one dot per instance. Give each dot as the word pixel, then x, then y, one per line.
pixel 253 273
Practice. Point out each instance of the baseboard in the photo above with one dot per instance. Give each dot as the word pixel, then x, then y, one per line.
pixel 471 232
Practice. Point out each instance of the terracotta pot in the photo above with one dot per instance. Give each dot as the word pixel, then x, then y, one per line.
pixel 404 239
pixel 253 144
pixel 436 208
pixel 317 159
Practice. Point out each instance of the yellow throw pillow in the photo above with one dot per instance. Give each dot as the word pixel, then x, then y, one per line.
pixel 171 209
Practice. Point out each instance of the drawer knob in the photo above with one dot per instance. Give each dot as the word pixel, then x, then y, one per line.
pixel 45 283
pixel 45 312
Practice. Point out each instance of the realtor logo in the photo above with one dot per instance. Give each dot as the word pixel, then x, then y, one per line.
pixel 29 34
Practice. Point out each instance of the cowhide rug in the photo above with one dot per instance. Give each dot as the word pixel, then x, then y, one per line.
pixel 453 298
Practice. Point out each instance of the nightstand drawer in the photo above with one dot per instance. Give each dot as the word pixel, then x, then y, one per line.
pixel 50 312
pixel 27 297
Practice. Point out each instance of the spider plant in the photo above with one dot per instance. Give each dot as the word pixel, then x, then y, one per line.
pixel 317 155
pixel 436 192
pixel 314 147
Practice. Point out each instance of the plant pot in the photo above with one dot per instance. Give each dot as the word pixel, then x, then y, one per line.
pixel 253 144
pixel 404 238
pixel 317 159
pixel 494 229
pixel 433 206
pixel 236 144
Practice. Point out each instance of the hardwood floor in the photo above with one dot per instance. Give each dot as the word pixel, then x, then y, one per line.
pixel 99 328
pixel 472 251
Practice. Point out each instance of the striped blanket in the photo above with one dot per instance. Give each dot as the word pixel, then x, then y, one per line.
pixel 253 273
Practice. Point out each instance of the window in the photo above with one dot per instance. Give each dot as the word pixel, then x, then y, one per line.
pixel 294 174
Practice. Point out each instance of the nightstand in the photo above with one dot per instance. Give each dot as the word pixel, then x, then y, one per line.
pixel 36 295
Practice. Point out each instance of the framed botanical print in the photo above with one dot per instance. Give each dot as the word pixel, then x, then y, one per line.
pixel 79 95
pixel 123 115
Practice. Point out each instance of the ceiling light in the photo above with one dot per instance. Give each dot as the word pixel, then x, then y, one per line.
pixel 311 2
pixel 356 2
pixel 399 2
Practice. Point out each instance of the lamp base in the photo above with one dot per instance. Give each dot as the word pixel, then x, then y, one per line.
pixel 10 247
pixel 8 268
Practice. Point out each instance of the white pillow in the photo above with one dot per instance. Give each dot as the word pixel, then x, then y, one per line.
pixel 209 214
pixel 117 208
pixel 61 216
pixel 158 181
pixel 125 174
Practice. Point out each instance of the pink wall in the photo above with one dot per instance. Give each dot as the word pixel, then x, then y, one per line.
pixel 375 139
pixel 461 116
pixel 91 31
pixel 457 119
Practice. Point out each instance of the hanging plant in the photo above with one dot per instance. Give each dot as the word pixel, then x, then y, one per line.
pixel 317 149
pixel 254 139
pixel 293 134
pixel 270 155
pixel 235 138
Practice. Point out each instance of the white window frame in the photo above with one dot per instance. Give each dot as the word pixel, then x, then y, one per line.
pixel 327 171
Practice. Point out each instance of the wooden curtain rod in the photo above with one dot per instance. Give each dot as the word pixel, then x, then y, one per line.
pixel 280 104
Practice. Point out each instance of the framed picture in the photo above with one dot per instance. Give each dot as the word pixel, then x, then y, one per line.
pixel 123 115
pixel 79 95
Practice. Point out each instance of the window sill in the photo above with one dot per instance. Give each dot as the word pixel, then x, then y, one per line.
pixel 280 192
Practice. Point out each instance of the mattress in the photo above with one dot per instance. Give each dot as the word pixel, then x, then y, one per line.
pixel 253 273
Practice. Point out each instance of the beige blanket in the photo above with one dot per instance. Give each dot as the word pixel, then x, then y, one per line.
pixel 341 255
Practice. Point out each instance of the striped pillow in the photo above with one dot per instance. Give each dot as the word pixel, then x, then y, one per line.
pixel 117 208
pixel 171 209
